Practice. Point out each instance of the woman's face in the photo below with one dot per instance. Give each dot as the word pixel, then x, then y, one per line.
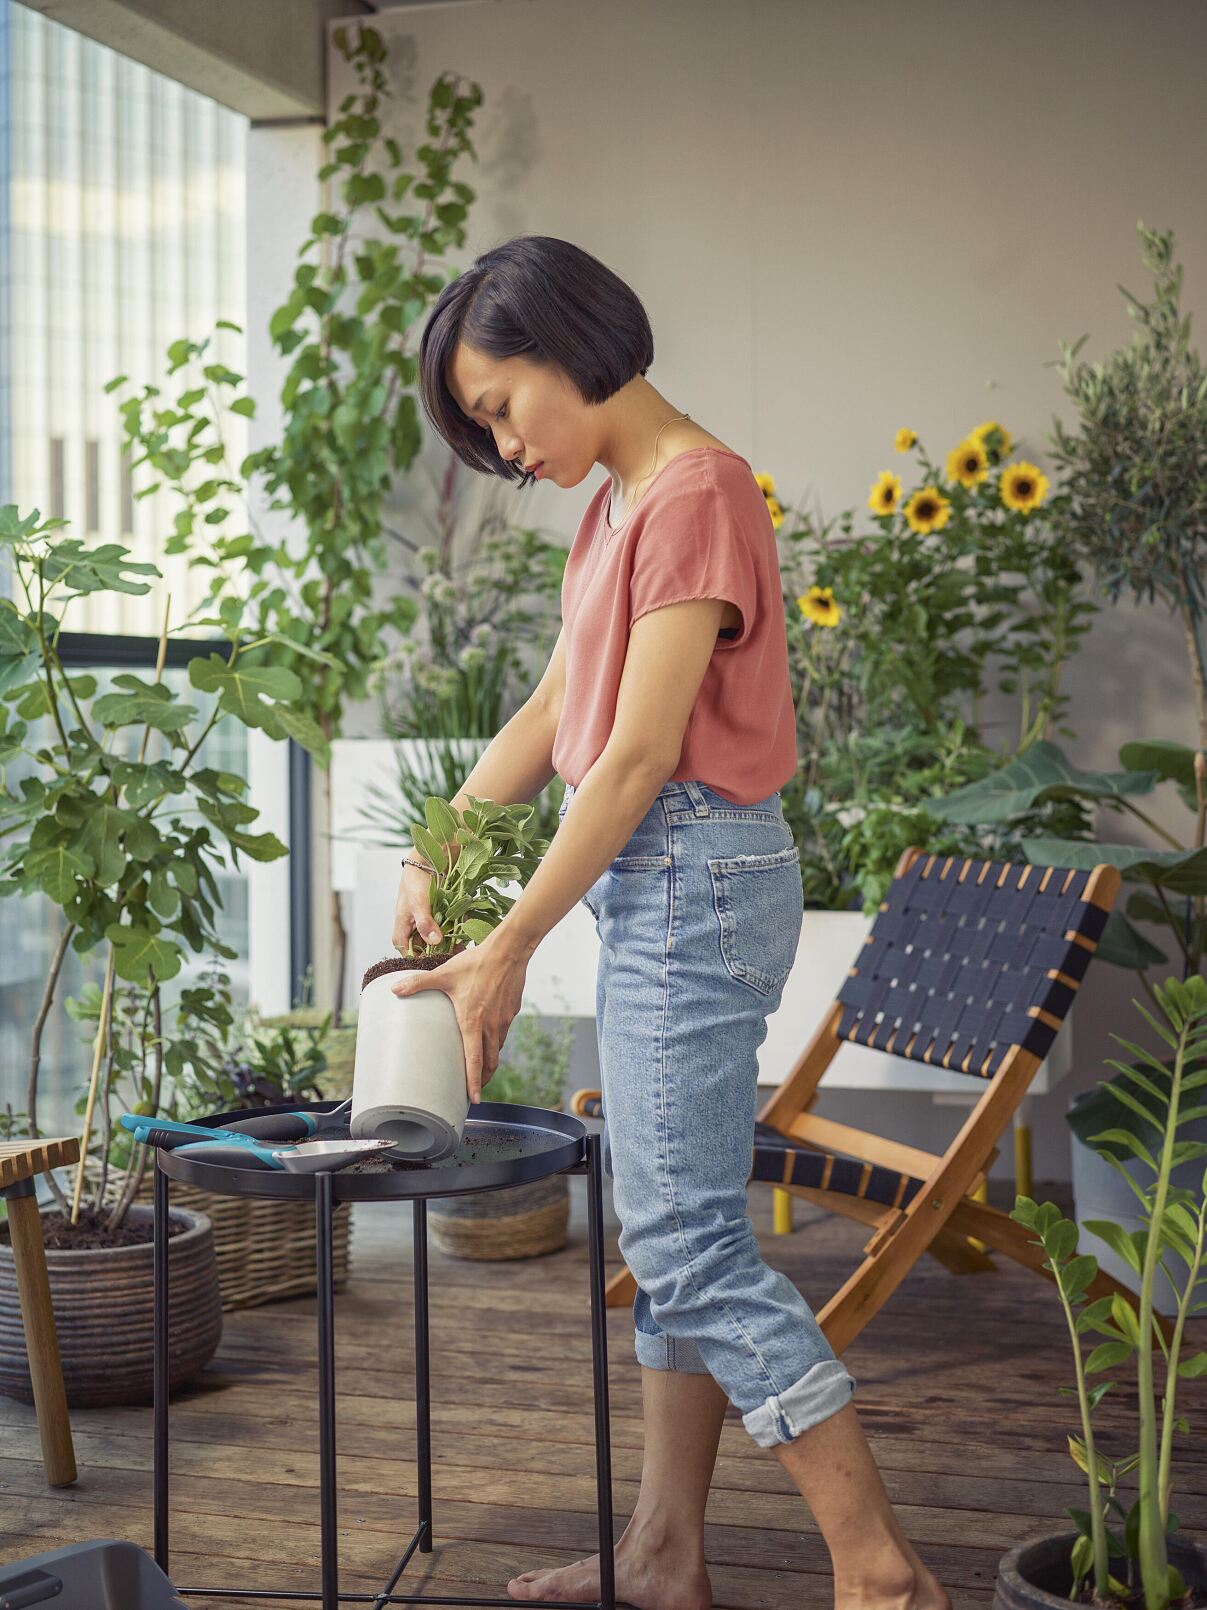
pixel 533 411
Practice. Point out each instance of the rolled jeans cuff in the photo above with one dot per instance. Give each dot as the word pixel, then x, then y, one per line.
pixel 824 1389
pixel 665 1352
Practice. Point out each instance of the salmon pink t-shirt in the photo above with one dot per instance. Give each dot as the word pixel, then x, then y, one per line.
pixel 702 529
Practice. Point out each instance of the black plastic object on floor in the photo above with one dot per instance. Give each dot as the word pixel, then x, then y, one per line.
pixel 102 1575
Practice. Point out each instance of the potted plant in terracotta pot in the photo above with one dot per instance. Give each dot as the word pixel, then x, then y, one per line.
pixel 108 812
pixel 1136 1562
pixel 519 1221
pixel 410 1078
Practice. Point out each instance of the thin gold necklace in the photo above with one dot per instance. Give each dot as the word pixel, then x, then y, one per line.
pixel 645 477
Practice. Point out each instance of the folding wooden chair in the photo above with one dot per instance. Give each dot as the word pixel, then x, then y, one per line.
pixel 20 1162
pixel 969 965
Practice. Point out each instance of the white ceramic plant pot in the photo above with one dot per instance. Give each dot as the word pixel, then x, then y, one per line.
pixel 408 1085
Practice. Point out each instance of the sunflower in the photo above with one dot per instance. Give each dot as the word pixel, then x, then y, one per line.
pixel 994 438
pixel 1023 486
pixel 886 494
pixel 776 511
pixel 928 510
pixel 968 463
pixel 905 439
pixel 818 606
pixel 766 484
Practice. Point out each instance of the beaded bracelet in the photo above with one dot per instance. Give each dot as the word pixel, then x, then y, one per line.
pixel 422 865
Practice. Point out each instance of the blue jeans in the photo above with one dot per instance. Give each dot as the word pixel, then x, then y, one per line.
pixel 698 919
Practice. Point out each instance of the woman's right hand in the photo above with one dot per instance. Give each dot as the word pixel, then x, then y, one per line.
pixel 412 910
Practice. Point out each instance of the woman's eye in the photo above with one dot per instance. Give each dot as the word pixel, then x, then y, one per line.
pixel 501 411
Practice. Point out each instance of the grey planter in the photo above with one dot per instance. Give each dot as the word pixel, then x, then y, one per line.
pixel 1035 1575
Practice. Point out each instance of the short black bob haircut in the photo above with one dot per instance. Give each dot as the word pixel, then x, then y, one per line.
pixel 539 298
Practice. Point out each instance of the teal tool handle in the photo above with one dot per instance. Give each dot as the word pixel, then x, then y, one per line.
pixel 141 1126
pixel 225 1155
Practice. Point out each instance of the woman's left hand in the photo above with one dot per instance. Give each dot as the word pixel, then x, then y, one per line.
pixel 486 987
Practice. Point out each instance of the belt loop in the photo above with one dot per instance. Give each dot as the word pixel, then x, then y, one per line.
pixel 694 793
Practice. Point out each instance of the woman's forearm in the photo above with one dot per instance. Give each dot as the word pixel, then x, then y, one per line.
pixel 517 763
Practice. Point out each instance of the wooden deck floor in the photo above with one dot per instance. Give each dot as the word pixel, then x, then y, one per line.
pixel 957 1389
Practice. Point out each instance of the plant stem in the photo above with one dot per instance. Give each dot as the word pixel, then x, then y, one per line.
pixel 1154 1567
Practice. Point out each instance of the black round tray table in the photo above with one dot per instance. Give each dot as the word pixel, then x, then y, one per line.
pixel 503 1144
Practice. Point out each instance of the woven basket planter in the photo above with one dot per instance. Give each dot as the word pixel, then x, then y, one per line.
pixel 103 1300
pixel 264 1248
pixel 521 1221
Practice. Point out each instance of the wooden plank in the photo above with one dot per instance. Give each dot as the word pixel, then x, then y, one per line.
pixel 970 1440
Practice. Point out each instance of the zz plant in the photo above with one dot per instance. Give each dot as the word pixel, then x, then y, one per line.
pixel 1175 1219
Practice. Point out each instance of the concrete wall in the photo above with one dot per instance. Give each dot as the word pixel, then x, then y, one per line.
pixel 845 218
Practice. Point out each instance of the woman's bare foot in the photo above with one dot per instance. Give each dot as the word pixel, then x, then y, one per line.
pixel 667 1577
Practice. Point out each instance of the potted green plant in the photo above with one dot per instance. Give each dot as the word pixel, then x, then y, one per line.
pixel 351 420
pixel 410 1078
pixel 1136 1562
pixel 896 635
pixel 122 838
pixel 519 1221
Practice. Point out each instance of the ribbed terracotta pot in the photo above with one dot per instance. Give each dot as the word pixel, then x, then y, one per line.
pixel 104 1315
pixel 1035 1574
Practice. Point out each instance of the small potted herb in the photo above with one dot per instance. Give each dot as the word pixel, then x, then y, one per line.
pixel 410 1078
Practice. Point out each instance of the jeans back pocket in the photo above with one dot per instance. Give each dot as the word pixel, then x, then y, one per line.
pixel 759 906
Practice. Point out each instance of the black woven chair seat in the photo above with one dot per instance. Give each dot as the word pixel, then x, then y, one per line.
pixel 779 1160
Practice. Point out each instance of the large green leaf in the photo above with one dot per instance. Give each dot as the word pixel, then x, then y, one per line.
pixel 1040 773
pixel 1179 871
pixel 55 870
pixel 245 691
pixel 100 567
pixel 1172 760
pixel 1123 945
pixel 138 952
pixel 304 730
pixel 149 703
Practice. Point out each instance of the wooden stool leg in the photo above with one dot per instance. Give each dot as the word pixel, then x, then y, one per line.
pixel 41 1340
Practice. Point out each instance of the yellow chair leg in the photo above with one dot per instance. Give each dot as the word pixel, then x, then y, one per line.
pixel 1023 1183
pixel 981 1194
pixel 781 1211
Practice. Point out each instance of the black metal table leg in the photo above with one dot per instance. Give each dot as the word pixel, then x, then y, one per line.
pixel 423 1412
pixel 325 1261
pixel 159 1377
pixel 599 1364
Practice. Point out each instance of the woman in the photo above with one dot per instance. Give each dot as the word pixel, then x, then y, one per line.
pixel 666 707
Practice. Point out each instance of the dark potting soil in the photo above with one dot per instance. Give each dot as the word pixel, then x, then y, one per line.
pixel 91 1233
pixel 398 964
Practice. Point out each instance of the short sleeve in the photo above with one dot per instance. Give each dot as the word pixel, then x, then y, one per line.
pixel 694 544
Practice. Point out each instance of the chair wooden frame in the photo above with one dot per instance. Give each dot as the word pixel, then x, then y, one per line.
pixel 20 1162
pixel 943 1216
